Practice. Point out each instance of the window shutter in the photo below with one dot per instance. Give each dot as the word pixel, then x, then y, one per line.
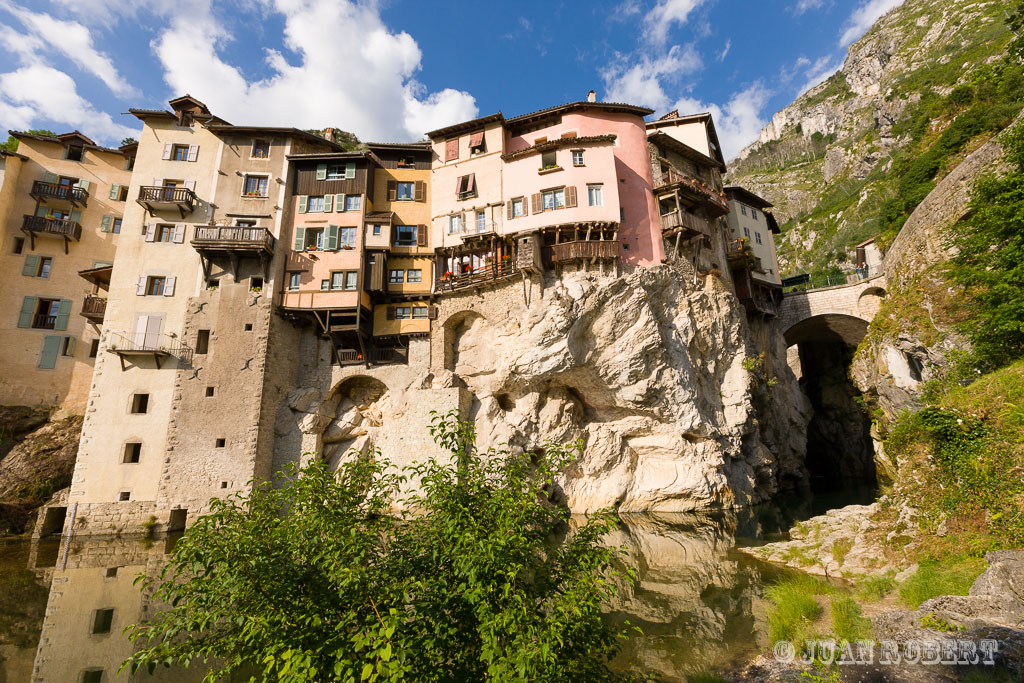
pixel 389 313
pixel 537 201
pixel 150 232
pixel 140 286
pixel 105 223
pixel 48 358
pixel 49 177
pixel 508 210
pixel 169 285
pixel 321 171
pixel 328 203
pixel 28 309
pixel 63 312
pixel 476 139
pixel 526 207
pixel 339 203
pixel 76 216
pixel 421 235
pixel 167 151
pixel 460 184
pixel 300 239
pixel 193 152
pixel 303 202
pixel 471 182
pixel 451 150
pixel 392 190
pixel 570 196
pixel 190 185
pixel 432 313
pixel 31 265
pixel 71 346
pixel 179 233
pixel 332 238
pixel 84 184
pixel 115 192
pixel 350 170
pixel 420 190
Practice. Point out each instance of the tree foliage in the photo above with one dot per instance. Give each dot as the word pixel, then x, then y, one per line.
pixel 12 142
pixel 312 577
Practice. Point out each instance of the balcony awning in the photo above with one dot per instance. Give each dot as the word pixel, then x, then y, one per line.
pixel 380 216
pixel 99 276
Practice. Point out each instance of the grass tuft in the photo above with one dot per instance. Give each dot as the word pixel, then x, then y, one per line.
pixel 953 576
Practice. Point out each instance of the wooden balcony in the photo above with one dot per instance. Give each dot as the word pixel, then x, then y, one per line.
pixel 693 189
pixel 51 227
pixel 680 220
pixel 42 191
pixel 155 198
pixel 590 249
pixel 93 308
pixel 476 277
pixel 233 242
pixel 373 356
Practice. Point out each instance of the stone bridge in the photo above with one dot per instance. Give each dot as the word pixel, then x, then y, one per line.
pixel 834 313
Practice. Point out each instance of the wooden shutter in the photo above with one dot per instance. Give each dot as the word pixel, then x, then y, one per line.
pixel 432 313
pixel 471 182
pixel 339 202
pixel 303 203
pixel 63 313
pixel 508 209
pixel 179 233
pixel 526 207
pixel 537 201
pixel 115 192
pixel 476 139
pixel 28 309
pixel 140 286
pixel 193 152
pixel 328 203
pixel 460 182
pixel 420 189
pixel 421 235
pixel 392 190
pixel 50 177
pixel 190 185
pixel 331 243
pixel 321 171
pixel 76 216
pixel 389 313
pixel 105 223
pixel 169 285
pixel 84 184
pixel 167 151
pixel 48 358
pixel 300 239
pixel 150 232
pixel 31 266
pixel 570 196
pixel 451 149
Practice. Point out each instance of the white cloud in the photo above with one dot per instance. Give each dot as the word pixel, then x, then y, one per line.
pixel 666 13
pixel 640 82
pixel 863 17
pixel 39 92
pixel 739 122
pixel 806 5
pixel 725 50
pixel 352 72
pixel 45 34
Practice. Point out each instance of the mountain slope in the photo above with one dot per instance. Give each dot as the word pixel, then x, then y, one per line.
pixel 852 157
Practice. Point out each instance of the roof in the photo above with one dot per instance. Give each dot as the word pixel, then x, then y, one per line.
pixel 313 156
pixel 703 117
pixel 62 139
pixel 466 125
pixel 188 99
pixel 379 216
pixel 143 114
pixel 227 128
pixel 865 243
pixel 8 153
pixel 682 148
pixel 399 146
pixel 572 106
pixel 555 144
pixel 747 196
pixel 97 276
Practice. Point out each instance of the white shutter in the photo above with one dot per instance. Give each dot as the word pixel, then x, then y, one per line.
pixel 140 286
pixel 193 152
pixel 139 336
pixel 339 202
pixel 169 285
pixel 167 151
pixel 150 232
pixel 158 182
pixel 179 233
pixel 190 185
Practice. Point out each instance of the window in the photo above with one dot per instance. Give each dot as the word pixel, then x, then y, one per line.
pixel 115 225
pixel 396 277
pixel 743 209
pixel 202 341
pixel 451 149
pixel 46 314
pixel 746 232
pixel 753 213
pixel 376 230
pixel 757 237
pixel 315 204
pixel 132 452
pixel 577 157
pixel 255 284
pixel 465 186
pixel 155 286
pixel 179 153
pixel 594 195
pixel 94 348
pixel 340 172
pixel 124 496
pixel 247 327
pixel 67 347
pixel 103 618
pixel 406 162
pixel 622 217
pixel 347 236
pixel 419 312
pixel 164 233
pixel 553 199
pixel 337 280
pixel 414 275
pixel 517 207
pixel 314 238
pixel 547 160
pixel 110 573
pixel 455 223
pixel 210 391
pixel 129 165
pixel 260 149
pixel 403 313
pixel 294 279
pixel 353 202
pixel 18 246
pixel 256 186
pixel 220 443
pixel 476 143
pixel 405 191
pixel 325 285
pixel 74 153
pixel 405 235
pixel 351 279
pixel 45 264
pixel 481 221
pixel 140 404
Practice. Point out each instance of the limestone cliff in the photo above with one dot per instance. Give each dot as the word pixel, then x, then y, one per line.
pixel 661 380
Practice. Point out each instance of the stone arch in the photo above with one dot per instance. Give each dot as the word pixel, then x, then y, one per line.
pixel 869 301
pixel 828 327
pixel 455 328
pixel 360 403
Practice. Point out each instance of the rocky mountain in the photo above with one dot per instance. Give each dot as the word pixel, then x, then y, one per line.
pixel 851 158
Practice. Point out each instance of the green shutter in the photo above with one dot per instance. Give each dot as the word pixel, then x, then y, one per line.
pixel 303 203
pixel 48 358
pixel 71 346
pixel 300 238
pixel 76 216
pixel 31 266
pixel 42 210
pixel 28 309
pixel 84 184
pixel 49 177
pixel 105 223
pixel 115 192
pixel 328 203
pixel 332 238
pixel 321 171
pixel 339 202
pixel 62 315
pixel 350 170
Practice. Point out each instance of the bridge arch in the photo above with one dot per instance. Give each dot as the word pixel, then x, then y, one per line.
pixel 828 327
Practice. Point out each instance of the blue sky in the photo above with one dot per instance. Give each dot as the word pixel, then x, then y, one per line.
pixel 394 69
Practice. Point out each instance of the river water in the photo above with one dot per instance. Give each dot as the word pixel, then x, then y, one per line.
pixel 698 599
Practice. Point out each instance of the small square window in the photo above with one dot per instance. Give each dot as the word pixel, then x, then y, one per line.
pixel 155 286
pixel 260 149
pixel 110 573
pixel 19 245
pixel 124 496
pixel 179 153
pixel 94 348
pixel 140 403
pixel 376 232
pixel 213 284
pixel 396 277
pixel 74 153
pixel 405 191
pixel 517 207
pixel 248 327
pixel 405 235
pixel 351 279
pixel 220 443
pixel 132 452
pixel 419 312
pixel 223 484
pixel 92 676
pixel 210 391
pixel 414 275
pixel 402 313
pixel 548 160
pixel 577 157
pixel 325 285
pixel 103 618
pixel 255 284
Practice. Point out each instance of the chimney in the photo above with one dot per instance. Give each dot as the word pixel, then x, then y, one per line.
pixel 591 96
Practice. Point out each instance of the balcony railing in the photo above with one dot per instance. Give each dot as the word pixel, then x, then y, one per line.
pixel 696 188
pixel 43 191
pixel 154 197
pixel 682 219
pixel 44 322
pixel 477 276
pixel 374 356
pixel 159 346
pixel 94 307
pixel 568 251
pixel 231 237
pixel 59 227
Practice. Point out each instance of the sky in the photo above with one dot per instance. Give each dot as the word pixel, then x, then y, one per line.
pixel 391 70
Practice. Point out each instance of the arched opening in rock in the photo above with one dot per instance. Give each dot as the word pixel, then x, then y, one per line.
pixel 840 451
pixel 361 405
pixel 460 333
